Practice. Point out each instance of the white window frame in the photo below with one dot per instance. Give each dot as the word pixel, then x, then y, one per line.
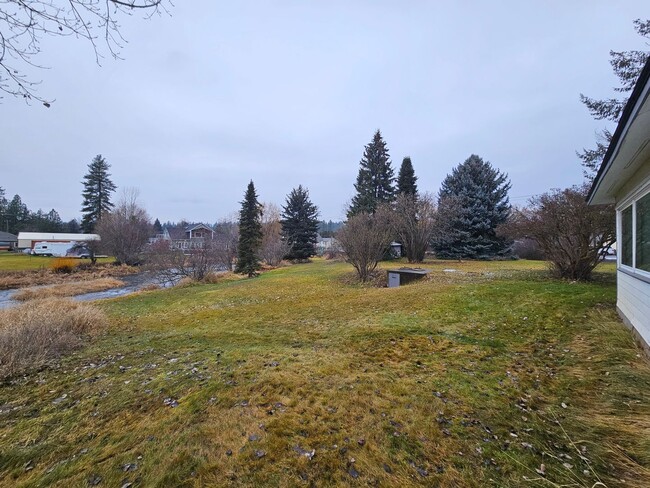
pixel 640 192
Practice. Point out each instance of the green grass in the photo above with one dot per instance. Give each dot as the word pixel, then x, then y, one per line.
pixel 454 381
pixel 10 261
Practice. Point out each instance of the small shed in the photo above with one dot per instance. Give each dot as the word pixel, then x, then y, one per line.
pixel 402 276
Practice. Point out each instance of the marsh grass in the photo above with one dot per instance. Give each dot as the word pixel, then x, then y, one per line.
pixel 34 333
pixel 67 289
pixel 454 381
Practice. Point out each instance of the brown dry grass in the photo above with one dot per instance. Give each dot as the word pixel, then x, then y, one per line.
pixel 36 332
pixel 20 279
pixel 67 290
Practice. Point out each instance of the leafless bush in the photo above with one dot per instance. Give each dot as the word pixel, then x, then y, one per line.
pixel 527 249
pixel 364 239
pixel 126 230
pixel 172 265
pixel 42 330
pixel 572 235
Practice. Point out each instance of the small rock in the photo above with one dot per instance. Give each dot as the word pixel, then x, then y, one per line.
pixel 170 402
pixel 567 465
pixel 94 480
pixel 564 405
pixel 303 452
pixel 388 469
pixel 29 465
pixel 60 399
pixel 361 442
pixel 229 452
pixel 253 438
pixel 260 454
pixel 353 472
pixel 128 484
pixel 129 467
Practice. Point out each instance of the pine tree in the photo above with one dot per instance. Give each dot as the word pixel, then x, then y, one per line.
pixel 375 179
pixel 250 233
pixel 3 210
pixel 300 224
pixel 627 66
pixel 474 199
pixel 157 227
pixel 17 216
pixel 406 179
pixel 97 193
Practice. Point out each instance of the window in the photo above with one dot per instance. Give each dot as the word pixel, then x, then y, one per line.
pixel 626 236
pixel 643 233
pixel 635 234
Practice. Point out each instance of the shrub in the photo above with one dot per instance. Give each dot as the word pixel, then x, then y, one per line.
pixel 64 265
pixel 34 333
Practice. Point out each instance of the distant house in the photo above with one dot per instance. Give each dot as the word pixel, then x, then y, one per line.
pixel 26 240
pixel 624 180
pixel 326 244
pixel 7 241
pixel 186 237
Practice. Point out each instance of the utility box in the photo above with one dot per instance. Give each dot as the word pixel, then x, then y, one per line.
pixel 402 276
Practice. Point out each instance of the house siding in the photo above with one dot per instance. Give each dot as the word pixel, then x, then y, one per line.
pixel 633 285
pixel 634 304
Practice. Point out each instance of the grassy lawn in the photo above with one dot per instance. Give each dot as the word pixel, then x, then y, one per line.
pixel 10 261
pixel 475 377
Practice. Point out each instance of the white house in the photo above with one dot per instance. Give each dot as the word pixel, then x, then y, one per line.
pixel 624 180
pixel 28 239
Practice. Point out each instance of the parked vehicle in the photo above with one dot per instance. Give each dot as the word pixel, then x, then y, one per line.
pixel 58 249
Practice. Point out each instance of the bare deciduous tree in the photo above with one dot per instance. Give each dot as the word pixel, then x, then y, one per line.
pixel 226 239
pixel 171 264
pixel 573 236
pixel 126 230
pixel 274 248
pixel 364 238
pixel 24 23
pixel 415 221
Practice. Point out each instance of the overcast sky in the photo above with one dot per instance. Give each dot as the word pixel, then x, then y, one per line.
pixel 289 92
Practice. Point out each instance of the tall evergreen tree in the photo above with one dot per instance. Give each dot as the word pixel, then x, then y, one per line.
pixel 17 216
pixel 300 224
pixel 475 197
pixel 250 233
pixel 157 227
pixel 98 188
pixel 406 179
pixel 627 66
pixel 3 210
pixel 375 179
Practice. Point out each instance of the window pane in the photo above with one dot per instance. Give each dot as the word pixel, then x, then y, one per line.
pixel 626 236
pixel 643 233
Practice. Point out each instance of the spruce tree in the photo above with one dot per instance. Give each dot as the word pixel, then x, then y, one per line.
pixel 406 179
pixel 474 199
pixel 97 193
pixel 250 233
pixel 300 224
pixel 374 184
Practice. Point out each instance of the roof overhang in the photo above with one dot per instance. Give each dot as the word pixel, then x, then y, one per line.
pixel 629 147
